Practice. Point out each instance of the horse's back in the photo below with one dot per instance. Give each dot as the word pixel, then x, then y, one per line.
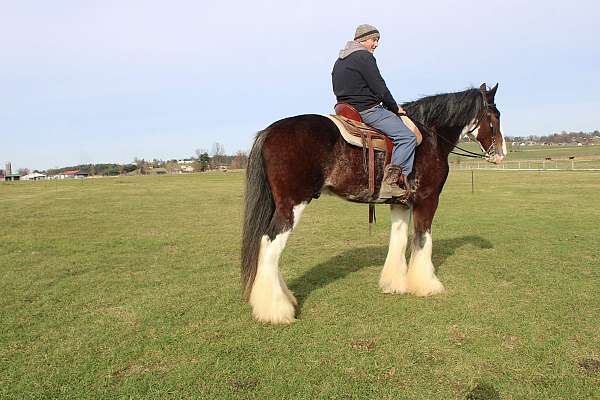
pixel 297 153
pixel 305 127
pixel 300 139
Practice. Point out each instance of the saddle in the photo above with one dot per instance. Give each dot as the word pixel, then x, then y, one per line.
pixel 355 132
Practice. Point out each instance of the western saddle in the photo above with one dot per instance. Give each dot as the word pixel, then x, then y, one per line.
pixel 354 131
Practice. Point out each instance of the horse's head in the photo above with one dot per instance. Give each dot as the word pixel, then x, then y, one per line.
pixel 487 130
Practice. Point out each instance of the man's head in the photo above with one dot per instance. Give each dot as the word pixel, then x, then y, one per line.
pixel 368 36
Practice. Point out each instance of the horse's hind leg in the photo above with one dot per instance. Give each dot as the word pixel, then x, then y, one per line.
pixel 271 300
pixel 421 277
pixel 393 275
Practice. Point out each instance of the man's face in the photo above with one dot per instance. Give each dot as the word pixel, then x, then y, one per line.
pixel 371 44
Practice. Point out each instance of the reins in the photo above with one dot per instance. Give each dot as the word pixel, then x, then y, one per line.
pixel 470 154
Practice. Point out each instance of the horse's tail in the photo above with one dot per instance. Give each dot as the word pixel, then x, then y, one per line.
pixel 258 211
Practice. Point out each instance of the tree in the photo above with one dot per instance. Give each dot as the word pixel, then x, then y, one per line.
pixel 200 152
pixel 201 161
pixel 218 154
pixel 23 171
pixel 172 167
pixel 129 168
pixel 240 160
pixel 141 165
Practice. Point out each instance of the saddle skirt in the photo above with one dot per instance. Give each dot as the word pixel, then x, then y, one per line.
pixel 354 131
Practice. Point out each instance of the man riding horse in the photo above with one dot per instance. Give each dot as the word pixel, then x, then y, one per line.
pixel 358 82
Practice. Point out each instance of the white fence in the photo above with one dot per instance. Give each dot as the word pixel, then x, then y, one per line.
pixel 531 165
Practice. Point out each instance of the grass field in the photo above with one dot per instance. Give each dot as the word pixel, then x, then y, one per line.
pixel 536 157
pixel 129 288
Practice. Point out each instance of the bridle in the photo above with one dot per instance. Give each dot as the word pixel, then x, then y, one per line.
pixel 484 112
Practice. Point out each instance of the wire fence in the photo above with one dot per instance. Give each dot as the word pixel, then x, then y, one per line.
pixel 531 165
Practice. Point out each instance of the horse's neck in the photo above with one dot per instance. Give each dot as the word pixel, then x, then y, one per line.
pixel 447 139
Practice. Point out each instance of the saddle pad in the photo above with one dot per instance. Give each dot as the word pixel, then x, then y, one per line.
pixel 351 131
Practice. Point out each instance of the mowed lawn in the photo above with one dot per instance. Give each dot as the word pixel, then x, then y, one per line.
pixel 129 288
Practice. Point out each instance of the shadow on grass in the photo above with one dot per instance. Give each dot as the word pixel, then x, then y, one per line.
pixel 355 259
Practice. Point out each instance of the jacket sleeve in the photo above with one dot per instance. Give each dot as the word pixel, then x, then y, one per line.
pixel 371 74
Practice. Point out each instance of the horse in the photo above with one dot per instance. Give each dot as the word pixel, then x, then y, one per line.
pixel 296 159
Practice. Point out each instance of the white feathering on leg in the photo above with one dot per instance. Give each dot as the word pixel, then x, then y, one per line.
pixel 271 300
pixel 421 274
pixel 393 274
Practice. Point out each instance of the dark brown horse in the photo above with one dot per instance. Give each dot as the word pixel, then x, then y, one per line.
pixel 296 159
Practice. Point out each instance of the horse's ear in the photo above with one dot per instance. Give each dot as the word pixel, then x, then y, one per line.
pixel 482 87
pixel 492 91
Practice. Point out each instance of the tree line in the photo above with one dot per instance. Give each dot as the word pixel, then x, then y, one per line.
pixel 562 137
pixel 201 161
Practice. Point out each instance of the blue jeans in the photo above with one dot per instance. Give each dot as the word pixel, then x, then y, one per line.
pixel 404 140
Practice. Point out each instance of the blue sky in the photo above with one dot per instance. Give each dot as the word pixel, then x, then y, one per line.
pixel 107 81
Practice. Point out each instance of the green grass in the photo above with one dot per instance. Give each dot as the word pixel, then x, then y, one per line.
pixel 129 288
pixel 535 157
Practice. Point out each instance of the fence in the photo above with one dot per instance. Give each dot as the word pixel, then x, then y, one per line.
pixel 531 165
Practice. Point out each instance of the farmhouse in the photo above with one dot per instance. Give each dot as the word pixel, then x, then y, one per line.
pixel 72 174
pixel 12 177
pixel 34 176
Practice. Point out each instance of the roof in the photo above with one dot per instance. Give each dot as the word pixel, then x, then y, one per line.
pixel 34 175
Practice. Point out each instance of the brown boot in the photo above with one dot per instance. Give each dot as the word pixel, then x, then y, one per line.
pixel 389 183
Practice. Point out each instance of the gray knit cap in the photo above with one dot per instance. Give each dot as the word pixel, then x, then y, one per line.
pixel 365 32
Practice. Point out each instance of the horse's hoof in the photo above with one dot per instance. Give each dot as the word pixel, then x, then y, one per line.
pixel 276 311
pixel 428 288
pixel 396 286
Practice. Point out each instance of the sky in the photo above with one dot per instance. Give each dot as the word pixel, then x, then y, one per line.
pixel 109 81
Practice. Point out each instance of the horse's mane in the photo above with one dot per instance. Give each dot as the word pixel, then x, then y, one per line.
pixel 449 109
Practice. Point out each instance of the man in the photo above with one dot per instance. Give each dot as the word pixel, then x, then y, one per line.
pixel 358 82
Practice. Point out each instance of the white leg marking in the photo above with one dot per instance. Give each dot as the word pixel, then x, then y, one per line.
pixel 421 274
pixel 298 210
pixel 270 299
pixel 393 274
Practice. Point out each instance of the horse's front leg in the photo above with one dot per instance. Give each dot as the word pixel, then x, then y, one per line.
pixel 393 275
pixel 421 277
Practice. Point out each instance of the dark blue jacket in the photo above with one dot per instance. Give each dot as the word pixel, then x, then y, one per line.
pixel 358 82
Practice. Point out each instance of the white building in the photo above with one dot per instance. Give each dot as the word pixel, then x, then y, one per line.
pixel 34 176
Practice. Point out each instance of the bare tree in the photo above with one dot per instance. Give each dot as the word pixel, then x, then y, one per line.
pixel 218 154
pixel 172 166
pixel 23 171
pixel 240 160
pixel 141 165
